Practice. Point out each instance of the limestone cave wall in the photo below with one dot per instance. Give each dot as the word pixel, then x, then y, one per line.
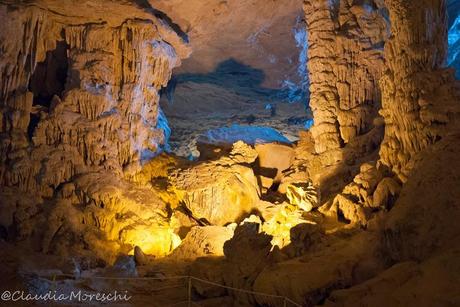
pixel 79 96
pixel 345 62
pixel 419 94
pixel 81 174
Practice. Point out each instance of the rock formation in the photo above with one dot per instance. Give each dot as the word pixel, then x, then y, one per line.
pixel 362 210
pixel 222 191
pixel 79 99
pixel 420 109
pixel 419 93
pixel 345 62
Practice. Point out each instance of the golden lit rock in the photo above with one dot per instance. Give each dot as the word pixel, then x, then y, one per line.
pixel 221 191
pixel 303 195
pixel 360 209
pixel 154 240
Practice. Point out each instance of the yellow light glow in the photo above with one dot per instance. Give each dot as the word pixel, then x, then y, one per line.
pixel 304 196
pixel 157 241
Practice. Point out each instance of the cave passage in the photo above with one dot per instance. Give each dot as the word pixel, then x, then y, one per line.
pixel 269 91
pixel 48 80
pixel 222 153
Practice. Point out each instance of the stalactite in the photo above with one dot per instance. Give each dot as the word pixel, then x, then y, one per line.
pixel 105 118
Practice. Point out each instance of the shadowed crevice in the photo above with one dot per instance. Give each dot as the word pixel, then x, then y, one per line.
pixel 144 4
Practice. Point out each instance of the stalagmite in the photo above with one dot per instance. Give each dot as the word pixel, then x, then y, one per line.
pixel 419 93
pixel 359 208
pixel 345 63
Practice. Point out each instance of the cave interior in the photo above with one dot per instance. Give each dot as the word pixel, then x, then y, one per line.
pixel 230 153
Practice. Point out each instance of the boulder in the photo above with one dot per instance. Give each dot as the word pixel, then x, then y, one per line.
pixel 273 159
pixel 219 192
pixel 203 242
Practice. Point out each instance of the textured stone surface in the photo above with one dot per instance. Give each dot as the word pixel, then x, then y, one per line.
pixel 79 101
pixel 308 279
pixel 207 241
pixel 420 98
pixel 251 27
pixel 79 124
pixel 424 218
pixel 345 63
pixel 221 191
pixel 431 283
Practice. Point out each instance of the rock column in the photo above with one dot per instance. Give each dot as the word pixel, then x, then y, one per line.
pixel 345 63
pixel 418 93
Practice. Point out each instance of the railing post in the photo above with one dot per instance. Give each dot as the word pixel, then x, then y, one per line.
pixel 284 302
pixel 189 291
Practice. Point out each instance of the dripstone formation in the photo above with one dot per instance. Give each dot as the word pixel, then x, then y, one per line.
pixel 79 100
pixel 362 210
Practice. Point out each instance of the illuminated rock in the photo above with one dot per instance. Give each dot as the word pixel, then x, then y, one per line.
pixel 110 215
pixel 279 221
pixel 345 63
pixel 386 193
pixel 419 94
pixel 221 191
pixel 303 195
pixel 355 203
pixel 82 175
pixel 419 232
pixel 275 158
pixel 207 241
pixel 79 101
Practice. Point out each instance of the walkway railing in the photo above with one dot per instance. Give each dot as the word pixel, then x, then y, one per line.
pixel 189 284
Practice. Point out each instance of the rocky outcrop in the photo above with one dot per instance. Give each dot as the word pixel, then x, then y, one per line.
pixel 419 235
pixel 431 283
pixel 308 279
pixel 79 95
pixel 345 63
pixel 420 99
pixel 207 241
pixel 424 219
pixel 272 160
pixel 80 121
pixel 419 107
pixel 222 191
pixel 371 190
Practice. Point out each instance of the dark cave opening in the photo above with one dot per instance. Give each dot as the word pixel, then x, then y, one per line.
pixel 33 123
pixel 48 80
pixel 49 77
